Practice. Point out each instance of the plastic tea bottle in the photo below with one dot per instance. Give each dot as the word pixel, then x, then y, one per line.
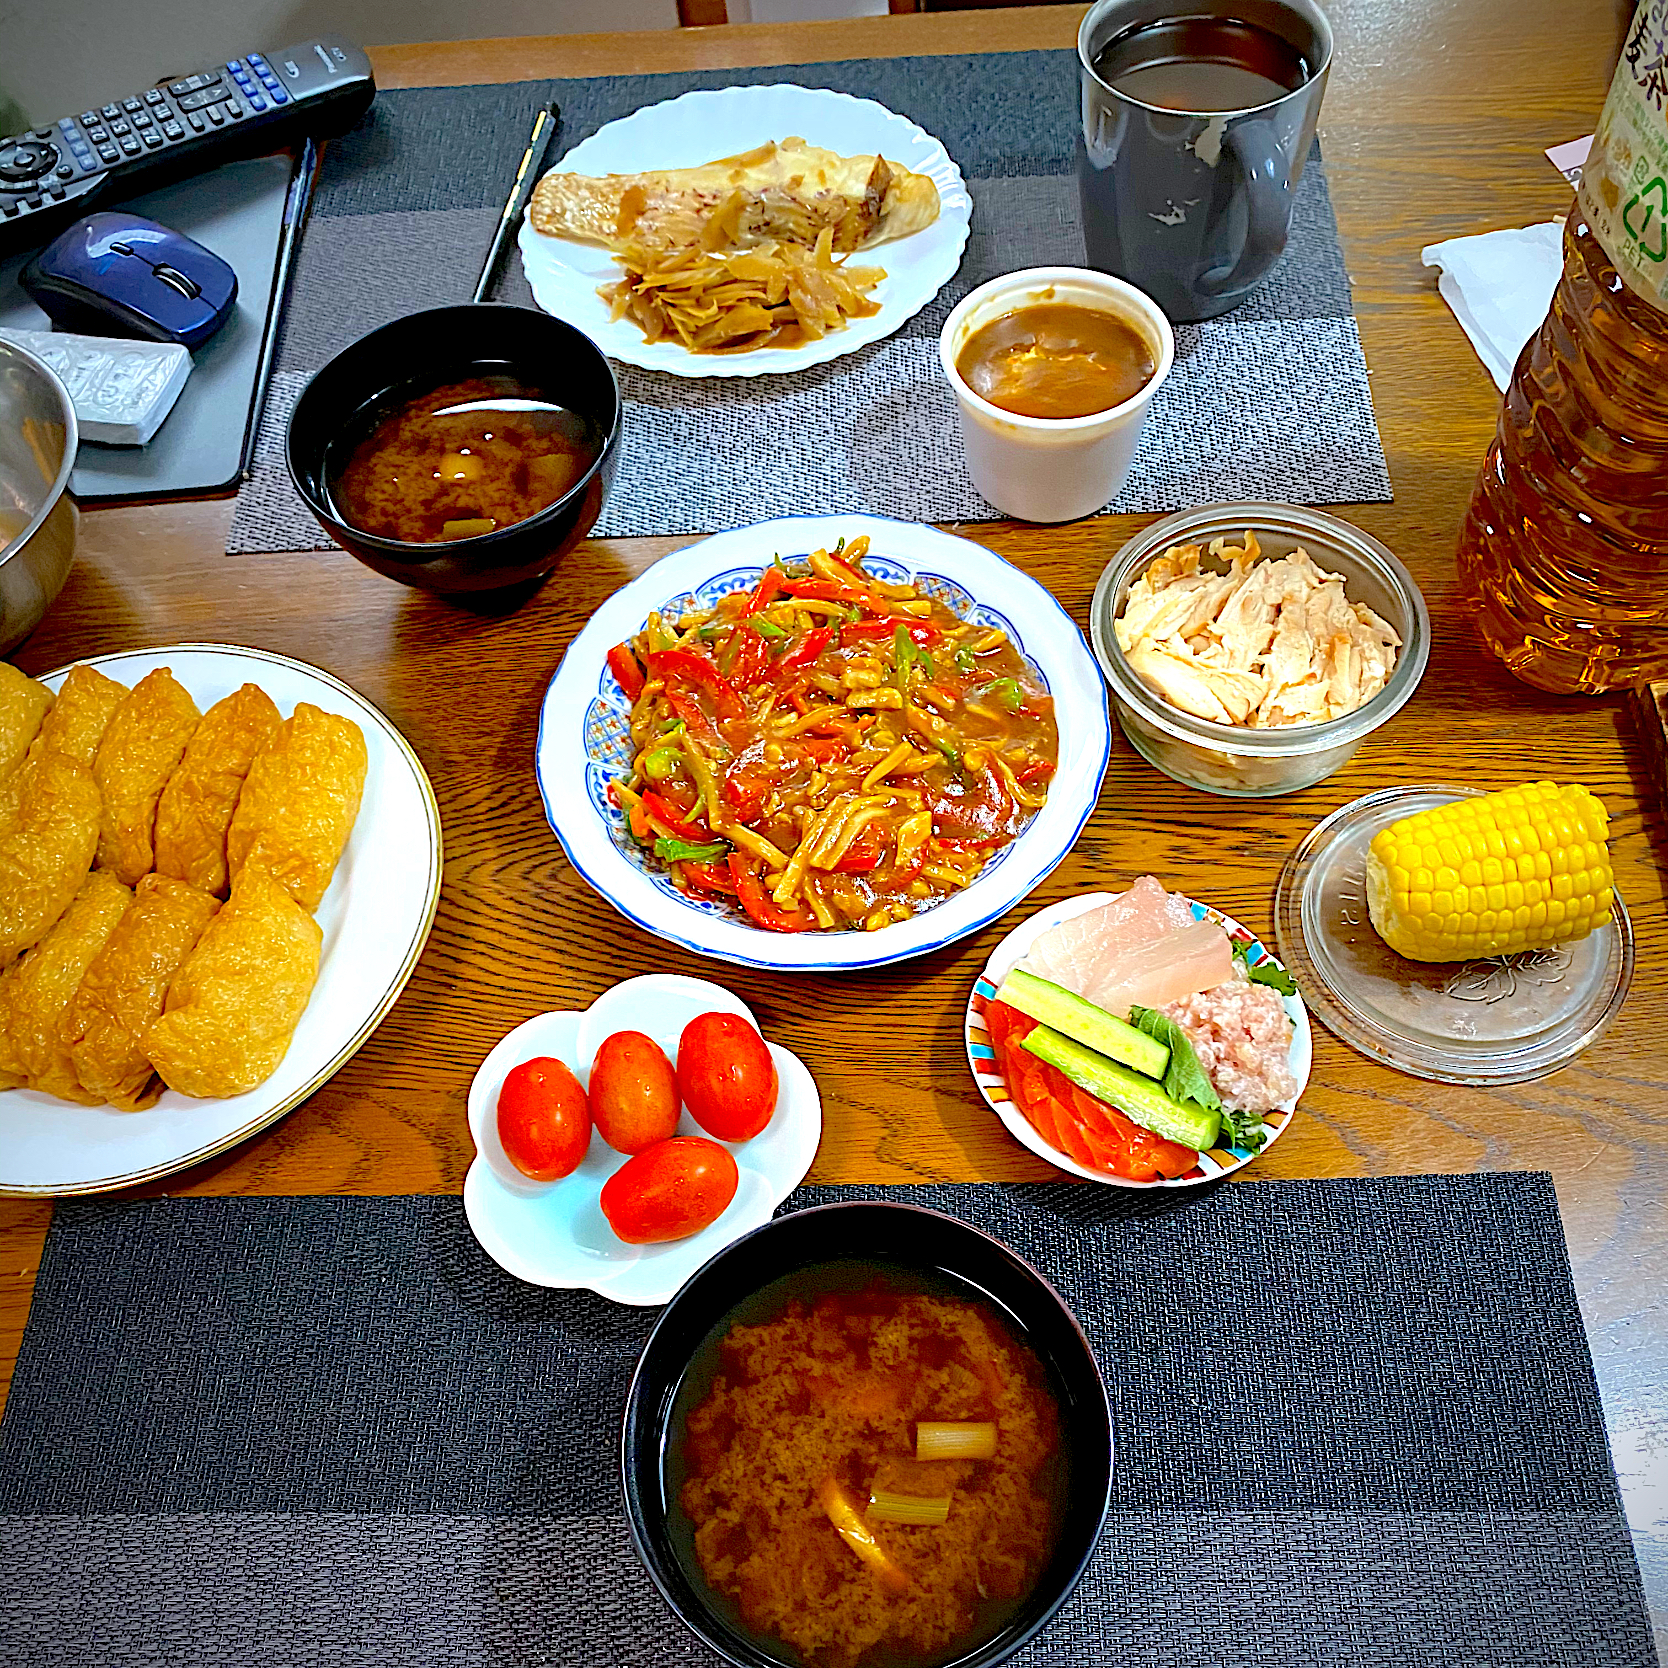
pixel 1564 557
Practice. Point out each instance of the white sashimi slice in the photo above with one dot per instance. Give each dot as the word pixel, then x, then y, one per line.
pixel 1142 948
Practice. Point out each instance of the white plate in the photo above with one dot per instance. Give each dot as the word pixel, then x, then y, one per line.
pixel 554 1233
pixel 1220 1161
pixel 583 740
pixel 376 919
pixel 698 127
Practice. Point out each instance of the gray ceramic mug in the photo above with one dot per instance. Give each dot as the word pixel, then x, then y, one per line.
pixel 1194 208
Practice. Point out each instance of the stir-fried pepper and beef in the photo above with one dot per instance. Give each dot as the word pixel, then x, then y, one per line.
pixel 829 750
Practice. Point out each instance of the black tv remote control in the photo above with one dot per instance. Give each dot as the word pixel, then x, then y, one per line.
pixel 244 107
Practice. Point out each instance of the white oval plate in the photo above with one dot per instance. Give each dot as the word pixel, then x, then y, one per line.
pixel 376 918
pixel 1220 1161
pixel 583 742
pixel 684 132
pixel 554 1233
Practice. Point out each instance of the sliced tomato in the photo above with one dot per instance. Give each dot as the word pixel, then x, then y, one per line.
pixel 745 792
pixel 824 749
pixel 694 719
pixel 686 666
pixel 758 903
pixel 661 810
pixel 706 877
pixel 863 854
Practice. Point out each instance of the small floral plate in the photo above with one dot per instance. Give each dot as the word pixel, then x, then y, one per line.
pixel 981 1056
pixel 554 1233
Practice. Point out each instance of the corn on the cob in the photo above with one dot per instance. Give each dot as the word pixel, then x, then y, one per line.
pixel 1518 870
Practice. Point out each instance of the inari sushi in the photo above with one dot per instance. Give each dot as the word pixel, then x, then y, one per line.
pixel 46 853
pixel 124 990
pixel 140 748
pixel 87 700
pixel 195 810
pixel 235 1003
pixel 34 994
pixel 299 803
pixel 23 704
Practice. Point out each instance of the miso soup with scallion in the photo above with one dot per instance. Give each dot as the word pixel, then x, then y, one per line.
pixel 458 460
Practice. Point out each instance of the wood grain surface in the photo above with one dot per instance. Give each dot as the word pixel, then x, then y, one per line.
pixel 1434 124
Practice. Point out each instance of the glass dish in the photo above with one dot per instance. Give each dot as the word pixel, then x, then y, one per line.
pixel 1230 759
pixel 1499 1019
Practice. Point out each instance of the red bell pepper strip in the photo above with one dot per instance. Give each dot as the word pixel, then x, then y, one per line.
pixel 691 668
pixel 764 593
pixel 946 842
pixel 744 871
pixel 707 877
pixel 660 809
pixel 827 590
pixel 627 673
pixel 921 632
pixel 694 719
pixel 808 648
pixel 1038 770
pixel 863 854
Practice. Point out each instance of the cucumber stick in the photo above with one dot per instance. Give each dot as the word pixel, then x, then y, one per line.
pixel 1137 1097
pixel 1063 1010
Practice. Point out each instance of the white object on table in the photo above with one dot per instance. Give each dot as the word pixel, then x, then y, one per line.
pixel 1499 286
pixel 1052 469
pixel 121 389
pixel 696 127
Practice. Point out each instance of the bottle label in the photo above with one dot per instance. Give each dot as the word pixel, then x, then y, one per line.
pixel 1624 188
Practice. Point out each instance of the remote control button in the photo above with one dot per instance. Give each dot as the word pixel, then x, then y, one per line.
pixel 55 192
pixel 8 208
pixel 154 96
pixel 216 113
pixel 235 111
pixel 180 88
pixel 111 112
pixel 27 160
pixel 152 138
pixel 120 128
pixel 64 171
pixel 257 60
pixel 173 130
pixel 109 153
pixel 88 117
pixel 131 104
pixel 42 133
pixel 130 146
pixel 208 78
pixel 67 125
pixel 198 125
pixel 98 135
pixel 256 102
pixel 141 120
pixel 277 94
pixel 30 202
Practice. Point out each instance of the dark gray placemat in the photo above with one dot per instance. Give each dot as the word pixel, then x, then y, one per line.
pixel 1269 402
pixel 1356 1423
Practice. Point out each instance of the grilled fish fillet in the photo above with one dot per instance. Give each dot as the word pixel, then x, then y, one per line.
pixel 783 191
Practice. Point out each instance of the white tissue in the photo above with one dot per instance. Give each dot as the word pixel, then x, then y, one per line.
pixel 121 389
pixel 1499 286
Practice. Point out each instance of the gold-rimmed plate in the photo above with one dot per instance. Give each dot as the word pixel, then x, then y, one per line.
pixel 375 916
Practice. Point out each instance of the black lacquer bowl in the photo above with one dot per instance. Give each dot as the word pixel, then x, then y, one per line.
pixel 912 1241
pixel 448 344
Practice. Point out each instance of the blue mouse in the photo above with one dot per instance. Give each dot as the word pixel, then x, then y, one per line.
pixel 119 274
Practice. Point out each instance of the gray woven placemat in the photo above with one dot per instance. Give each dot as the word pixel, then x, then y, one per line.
pixel 1270 402
pixel 1356 1423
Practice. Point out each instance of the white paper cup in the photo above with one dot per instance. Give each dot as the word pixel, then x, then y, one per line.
pixel 1052 468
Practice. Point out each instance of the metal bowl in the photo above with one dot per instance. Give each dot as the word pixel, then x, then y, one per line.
pixel 37 515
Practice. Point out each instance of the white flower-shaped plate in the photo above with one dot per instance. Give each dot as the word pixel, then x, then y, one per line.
pixel 700 126
pixel 981 1056
pixel 554 1233
pixel 584 740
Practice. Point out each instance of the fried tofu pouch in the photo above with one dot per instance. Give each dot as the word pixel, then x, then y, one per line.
pixel 194 813
pixel 46 853
pixel 235 1003
pixel 299 803
pixel 73 726
pixel 140 748
pixel 23 704
pixel 125 987
pixel 35 993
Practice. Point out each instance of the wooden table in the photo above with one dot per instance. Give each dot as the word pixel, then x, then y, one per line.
pixel 1434 124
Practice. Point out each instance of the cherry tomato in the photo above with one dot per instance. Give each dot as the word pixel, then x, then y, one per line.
pixel 543 1121
pixel 671 1191
pixel 727 1076
pixel 634 1093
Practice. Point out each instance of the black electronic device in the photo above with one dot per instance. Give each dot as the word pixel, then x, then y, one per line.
pixel 244 107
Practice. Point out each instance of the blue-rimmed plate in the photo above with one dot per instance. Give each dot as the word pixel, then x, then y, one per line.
pixel 981 1056
pixel 583 742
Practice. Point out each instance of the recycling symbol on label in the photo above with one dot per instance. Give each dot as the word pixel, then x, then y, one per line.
pixel 1646 218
